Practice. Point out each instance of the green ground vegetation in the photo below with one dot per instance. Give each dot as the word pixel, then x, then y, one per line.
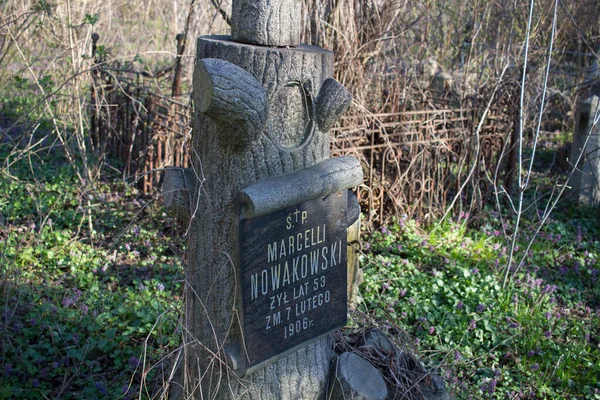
pixel 83 313
pixel 96 313
pixel 536 338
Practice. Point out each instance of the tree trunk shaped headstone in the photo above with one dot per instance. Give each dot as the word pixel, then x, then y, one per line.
pixel 265 274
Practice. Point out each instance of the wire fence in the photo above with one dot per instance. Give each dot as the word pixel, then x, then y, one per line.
pixel 415 162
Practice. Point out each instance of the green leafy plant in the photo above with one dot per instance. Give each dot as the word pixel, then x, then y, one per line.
pixel 82 318
pixel 91 19
pixel 536 339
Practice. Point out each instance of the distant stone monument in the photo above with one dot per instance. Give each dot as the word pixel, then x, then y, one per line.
pixel 585 180
pixel 267 211
pixel 593 78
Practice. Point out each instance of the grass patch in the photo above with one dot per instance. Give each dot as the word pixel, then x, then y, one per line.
pixel 84 314
pixel 537 338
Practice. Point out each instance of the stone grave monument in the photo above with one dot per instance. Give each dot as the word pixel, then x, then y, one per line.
pixel 267 212
pixel 585 180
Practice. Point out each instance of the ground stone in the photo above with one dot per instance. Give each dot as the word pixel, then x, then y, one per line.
pixel 381 342
pixel 434 388
pixel 355 378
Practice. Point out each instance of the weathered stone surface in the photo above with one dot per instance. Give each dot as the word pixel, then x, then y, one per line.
pixel 179 185
pixel 332 102
pixel 329 176
pixel 586 178
pixel 291 78
pixel 403 372
pixel 290 140
pixel 266 22
pixel 433 387
pixel 233 98
pixel 353 208
pixel 593 77
pixel 355 378
pixel 381 342
pixel 355 273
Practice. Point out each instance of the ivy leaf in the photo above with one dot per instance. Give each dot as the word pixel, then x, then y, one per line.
pixel 101 51
pixel 46 82
pixel 41 6
pixel 91 19
pixel 20 81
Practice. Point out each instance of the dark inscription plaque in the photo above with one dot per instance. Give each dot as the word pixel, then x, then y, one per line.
pixel 293 266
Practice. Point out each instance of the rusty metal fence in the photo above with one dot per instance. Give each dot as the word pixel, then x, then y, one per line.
pixel 415 162
pixel 133 123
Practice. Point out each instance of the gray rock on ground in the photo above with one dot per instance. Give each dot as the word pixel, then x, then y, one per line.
pixel 354 378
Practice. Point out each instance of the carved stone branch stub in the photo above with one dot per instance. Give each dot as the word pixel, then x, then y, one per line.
pixel 266 22
pixel 233 98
